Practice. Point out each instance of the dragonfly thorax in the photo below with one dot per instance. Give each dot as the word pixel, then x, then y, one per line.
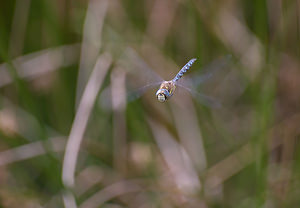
pixel 165 91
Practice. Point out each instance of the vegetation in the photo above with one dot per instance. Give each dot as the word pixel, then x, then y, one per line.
pixel 72 136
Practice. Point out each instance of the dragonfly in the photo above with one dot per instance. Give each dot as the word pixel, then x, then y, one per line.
pixel 167 88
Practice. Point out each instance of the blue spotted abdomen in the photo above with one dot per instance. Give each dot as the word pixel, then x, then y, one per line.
pixel 184 69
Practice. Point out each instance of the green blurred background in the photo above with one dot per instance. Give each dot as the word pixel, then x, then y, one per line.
pixel 64 68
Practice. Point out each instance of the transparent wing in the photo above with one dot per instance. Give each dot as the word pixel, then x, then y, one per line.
pixel 105 96
pixel 135 94
pixel 138 67
pixel 201 98
pixel 140 76
pixel 206 73
pixel 193 81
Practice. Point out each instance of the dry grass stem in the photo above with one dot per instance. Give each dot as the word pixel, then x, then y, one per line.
pixel 33 65
pixel 91 43
pixel 81 119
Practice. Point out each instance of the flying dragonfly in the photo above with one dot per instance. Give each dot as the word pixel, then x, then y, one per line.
pixel 167 88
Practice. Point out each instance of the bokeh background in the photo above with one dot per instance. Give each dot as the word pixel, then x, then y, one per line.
pixel 70 138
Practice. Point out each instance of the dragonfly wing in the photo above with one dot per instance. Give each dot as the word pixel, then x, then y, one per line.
pixel 201 98
pixel 106 96
pixel 140 68
pixel 135 94
pixel 207 72
pixel 139 77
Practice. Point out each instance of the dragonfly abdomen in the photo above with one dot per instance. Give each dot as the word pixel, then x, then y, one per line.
pixel 184 69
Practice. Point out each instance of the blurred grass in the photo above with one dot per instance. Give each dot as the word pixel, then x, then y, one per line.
pixel 260 93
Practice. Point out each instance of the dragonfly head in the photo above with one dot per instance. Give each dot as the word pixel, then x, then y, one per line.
pixel 162 95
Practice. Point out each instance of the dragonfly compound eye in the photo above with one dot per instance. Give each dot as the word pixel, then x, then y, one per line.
pixel 161 97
